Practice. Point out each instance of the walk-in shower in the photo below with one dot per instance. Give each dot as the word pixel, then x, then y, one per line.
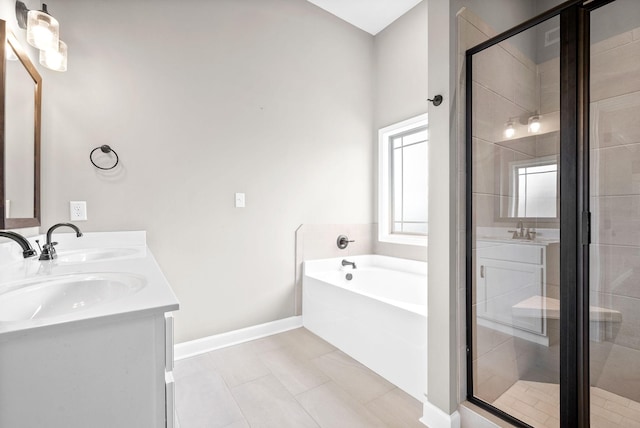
pixel 552 209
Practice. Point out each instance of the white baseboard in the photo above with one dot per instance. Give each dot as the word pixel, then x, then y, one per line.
pixel 433 417
pixel 211 343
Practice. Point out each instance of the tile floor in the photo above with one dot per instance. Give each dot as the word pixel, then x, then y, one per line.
pixel 537 404
pixel 292 379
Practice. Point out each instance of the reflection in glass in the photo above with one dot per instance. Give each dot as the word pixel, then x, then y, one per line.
pixel 515 228
pixel 535 186
pixel 614 288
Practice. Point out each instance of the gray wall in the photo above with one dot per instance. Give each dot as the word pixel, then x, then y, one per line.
pixel 400 92
pixel 200 100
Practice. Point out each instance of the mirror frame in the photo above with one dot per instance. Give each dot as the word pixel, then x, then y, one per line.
pixel 7 39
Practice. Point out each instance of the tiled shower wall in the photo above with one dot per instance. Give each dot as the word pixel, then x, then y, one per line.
pixel 615 203
pixel 507 84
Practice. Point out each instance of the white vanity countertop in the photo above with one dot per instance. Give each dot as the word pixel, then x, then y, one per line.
pixel 488 240
pixel 155 297
pixel 496 235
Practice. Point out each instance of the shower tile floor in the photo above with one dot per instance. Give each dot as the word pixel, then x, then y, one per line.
pixel 537 404
pixel 291 379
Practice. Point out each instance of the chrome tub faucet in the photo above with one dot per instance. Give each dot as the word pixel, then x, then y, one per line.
pixel 348 263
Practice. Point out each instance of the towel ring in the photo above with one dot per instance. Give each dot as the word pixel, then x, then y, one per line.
pixel 104 149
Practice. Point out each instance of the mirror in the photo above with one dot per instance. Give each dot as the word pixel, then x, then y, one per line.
pixel 527 178
pixel 21 88
pixel 534 186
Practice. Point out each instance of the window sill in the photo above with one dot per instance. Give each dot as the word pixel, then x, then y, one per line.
pixel 420 241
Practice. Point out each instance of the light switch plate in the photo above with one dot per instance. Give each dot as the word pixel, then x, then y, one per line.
pixel 240 201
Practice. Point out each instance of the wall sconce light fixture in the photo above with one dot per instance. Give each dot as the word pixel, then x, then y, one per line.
pixel 534 124
pixel 509 129
pixel 55 59
pixel 43 32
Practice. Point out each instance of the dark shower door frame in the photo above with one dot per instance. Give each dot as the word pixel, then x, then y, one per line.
pixel 575 215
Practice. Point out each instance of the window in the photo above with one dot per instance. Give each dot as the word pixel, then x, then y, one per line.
pixel 534 184
pixel 403 182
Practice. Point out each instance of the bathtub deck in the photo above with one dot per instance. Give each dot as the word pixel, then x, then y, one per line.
pixel 292 379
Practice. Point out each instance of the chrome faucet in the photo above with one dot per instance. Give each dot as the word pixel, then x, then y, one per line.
pixel 48 249
pixel 348 263
pixel 520 232
pixel 27 249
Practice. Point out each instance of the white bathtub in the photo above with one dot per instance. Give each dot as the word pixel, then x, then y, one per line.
pixel 379 317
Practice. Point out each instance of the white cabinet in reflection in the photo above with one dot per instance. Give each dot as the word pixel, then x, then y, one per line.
pixel 508 273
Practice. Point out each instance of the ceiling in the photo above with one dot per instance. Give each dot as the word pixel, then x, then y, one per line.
pixel 371 16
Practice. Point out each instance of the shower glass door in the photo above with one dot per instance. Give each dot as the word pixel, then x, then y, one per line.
pixel 514 88
pixel 614 288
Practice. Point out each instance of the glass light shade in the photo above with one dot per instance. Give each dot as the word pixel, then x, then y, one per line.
pixel 534 124
pixel 43 30
pixel 55 59
pixel 509 130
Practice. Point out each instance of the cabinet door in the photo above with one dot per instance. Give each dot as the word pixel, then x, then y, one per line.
pixel 170 400
pixel 501 285
pixel 168 335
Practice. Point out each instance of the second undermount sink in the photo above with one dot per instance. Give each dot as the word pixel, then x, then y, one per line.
pixel 93 254
pixel 65 294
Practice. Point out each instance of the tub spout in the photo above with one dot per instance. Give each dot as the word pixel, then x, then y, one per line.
pixel 348 263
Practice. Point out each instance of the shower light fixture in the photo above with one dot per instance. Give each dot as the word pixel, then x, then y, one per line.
pixel 43 32
pixel 534 124
pixel 509 130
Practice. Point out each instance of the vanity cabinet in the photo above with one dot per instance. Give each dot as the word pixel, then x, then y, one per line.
pixel 501 285
pixel 506 274
pixel 100 373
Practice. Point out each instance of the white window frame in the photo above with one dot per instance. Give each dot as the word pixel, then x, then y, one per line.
pixel 385 136
pixel 514 177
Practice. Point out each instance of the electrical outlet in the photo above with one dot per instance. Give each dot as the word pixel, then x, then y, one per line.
pixel 77 210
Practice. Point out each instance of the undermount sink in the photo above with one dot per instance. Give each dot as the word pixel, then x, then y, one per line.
pixel 65 294
pixel 93 254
